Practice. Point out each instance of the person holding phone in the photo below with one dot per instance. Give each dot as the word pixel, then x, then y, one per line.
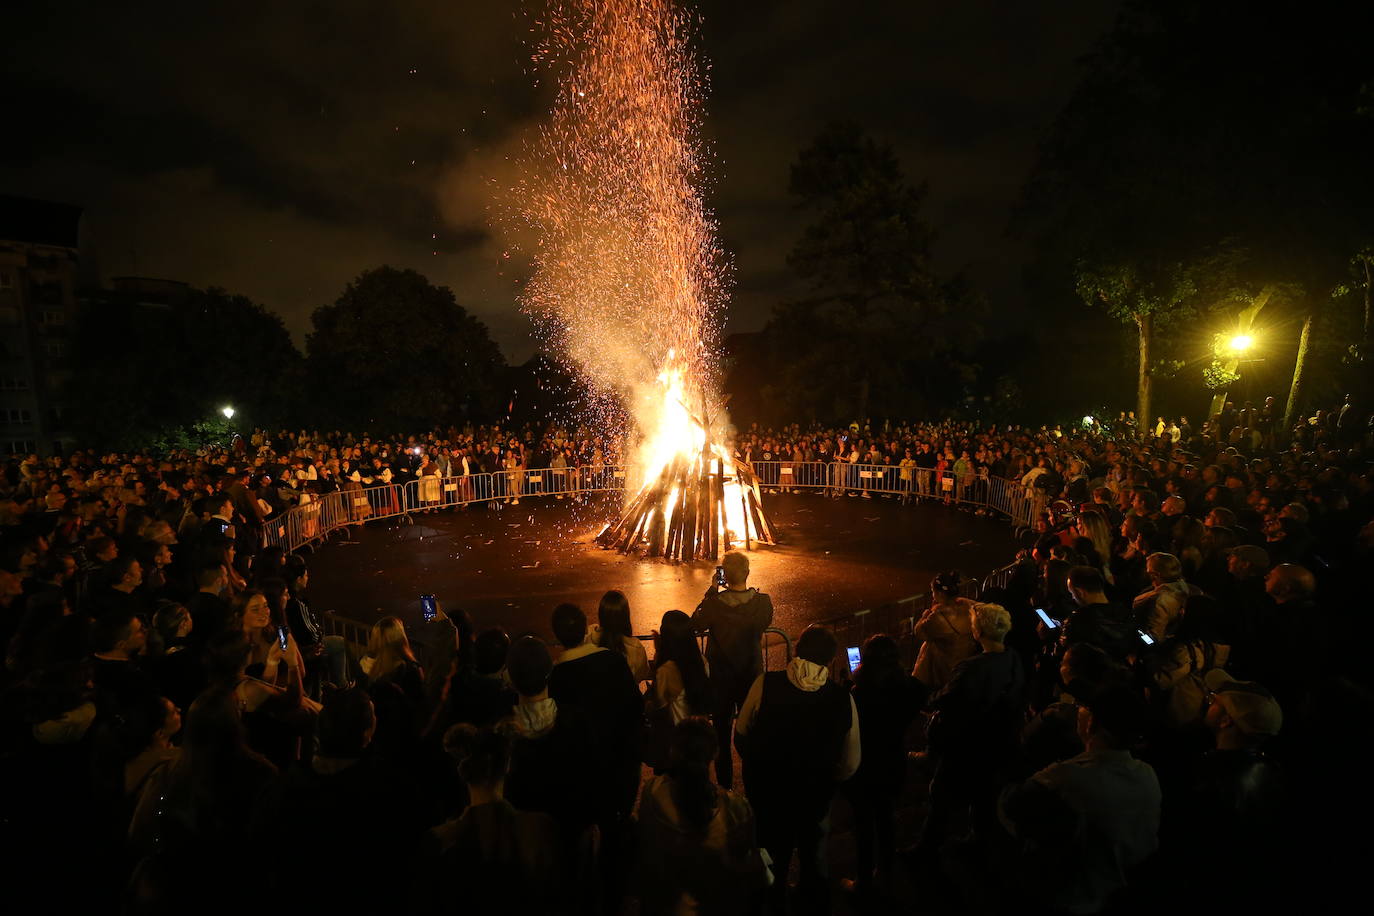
pixel 1104 623
pixel 887 699
pixel 734 618
pixel 262 635
pixel 268 696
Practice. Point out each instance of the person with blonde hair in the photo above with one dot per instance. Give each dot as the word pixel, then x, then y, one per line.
pixel 978 718
pixel 1158 609
pixel 388 647
pixel 1094 527
pixel 396 683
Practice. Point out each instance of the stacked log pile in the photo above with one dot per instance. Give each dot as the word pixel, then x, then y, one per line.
pixel 681 515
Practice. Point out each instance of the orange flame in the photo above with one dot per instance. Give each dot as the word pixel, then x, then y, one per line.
pixel 674 432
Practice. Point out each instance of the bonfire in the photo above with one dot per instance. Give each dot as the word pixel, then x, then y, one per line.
pixel 629 282
pixel 697 500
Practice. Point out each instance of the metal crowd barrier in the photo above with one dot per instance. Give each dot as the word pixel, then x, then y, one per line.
pixel 792 475
pixel 363 501
pixel 838 478
pixel 999 578
pixel 777 646
pixel 357 503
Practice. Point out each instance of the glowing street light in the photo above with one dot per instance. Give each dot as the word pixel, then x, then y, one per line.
pixel 1241 342
pixel 227 411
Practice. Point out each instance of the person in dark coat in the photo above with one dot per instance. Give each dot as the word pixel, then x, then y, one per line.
pixel 734 618
pixel 979 715
pixel 887 699
pixel 598 681
pixel 798 737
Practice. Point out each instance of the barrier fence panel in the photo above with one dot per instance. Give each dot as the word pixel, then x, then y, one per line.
pixel 777 649
pixel 274 532
pixel 792 475
pixel 334 514
pixel 999 578
pixel 812 475
pixel 1009 498
pixel 353 632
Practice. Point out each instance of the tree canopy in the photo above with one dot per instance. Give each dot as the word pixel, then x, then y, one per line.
pixel 395 352
pixel 1208 156
pixel 146 372
pixel 878 332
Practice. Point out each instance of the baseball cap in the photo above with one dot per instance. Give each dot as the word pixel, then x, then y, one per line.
pixel 1250 706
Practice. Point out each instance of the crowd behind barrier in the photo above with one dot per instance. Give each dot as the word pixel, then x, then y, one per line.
pixel 1155 701
pixel 311 523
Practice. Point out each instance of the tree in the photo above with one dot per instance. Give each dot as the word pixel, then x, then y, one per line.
pixel 879 332
pixel 157 372
pixel 1142 297
pixel 397 353
pixel 1199 128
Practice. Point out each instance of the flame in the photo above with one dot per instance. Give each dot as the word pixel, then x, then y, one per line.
pixel 629 278
pixel 673 432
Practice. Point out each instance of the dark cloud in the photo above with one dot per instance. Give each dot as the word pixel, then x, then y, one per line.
pixel 277 149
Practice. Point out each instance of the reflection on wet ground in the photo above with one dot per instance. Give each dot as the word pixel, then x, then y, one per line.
pixel 511 567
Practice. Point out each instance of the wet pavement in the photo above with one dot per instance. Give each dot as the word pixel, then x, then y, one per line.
pixel 510 567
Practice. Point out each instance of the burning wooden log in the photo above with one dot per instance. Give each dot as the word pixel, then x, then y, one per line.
pixel 686 513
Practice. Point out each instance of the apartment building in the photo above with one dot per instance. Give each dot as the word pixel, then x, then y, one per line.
pixel 38 300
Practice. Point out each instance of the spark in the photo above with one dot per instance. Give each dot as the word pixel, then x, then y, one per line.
pixel 629 280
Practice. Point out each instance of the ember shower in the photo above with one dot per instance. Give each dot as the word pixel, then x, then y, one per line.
pixel 629 284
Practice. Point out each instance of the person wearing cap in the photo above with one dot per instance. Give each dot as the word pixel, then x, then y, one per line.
pixel 1228 818
pixel 1242 715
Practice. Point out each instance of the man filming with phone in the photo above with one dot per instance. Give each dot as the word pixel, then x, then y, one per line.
pixel 735 616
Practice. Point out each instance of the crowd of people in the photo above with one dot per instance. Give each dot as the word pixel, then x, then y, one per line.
pixel 1160 703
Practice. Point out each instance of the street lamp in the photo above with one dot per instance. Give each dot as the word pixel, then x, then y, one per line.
pixel 227 411
pixel 1228 354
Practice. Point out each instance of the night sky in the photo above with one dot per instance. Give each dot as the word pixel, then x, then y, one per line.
pixel 278 149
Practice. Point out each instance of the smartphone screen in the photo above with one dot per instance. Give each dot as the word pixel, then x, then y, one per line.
pixel 427 607
pixel 1046 618
pixel 853 652
pixel 720 576
pixel 1146 638
pixel 282 633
